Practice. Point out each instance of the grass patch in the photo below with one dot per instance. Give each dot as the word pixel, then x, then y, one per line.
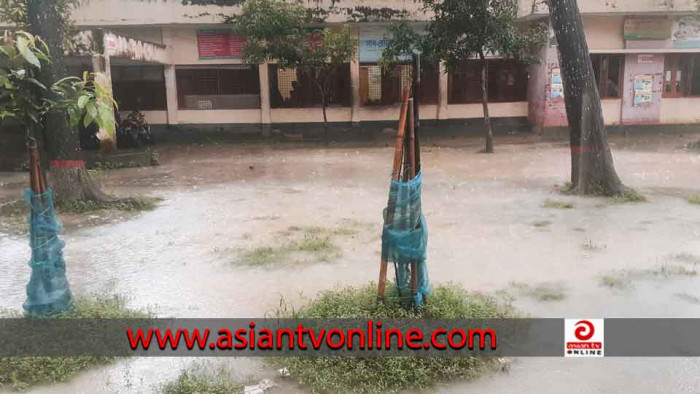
pixel 319 248
pixel 630 195
pixel 695 200
pixel 618 282
pixel 202 379
pixel 308 244
pixel 389 374
pixel 264 255
pixel 687 297
pixel 542 223
pixel 557 204
pixel 687 258
pixel 695 145
pixel 123 204
pixel 541 292
pixel 23 372
pixel 566 188
pixel 668 270
pixel 591 246
pixel 623 279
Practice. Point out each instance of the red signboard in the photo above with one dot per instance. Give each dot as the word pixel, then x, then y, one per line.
pixel 218 44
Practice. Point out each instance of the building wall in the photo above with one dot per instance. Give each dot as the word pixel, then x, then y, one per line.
pixel 684 110
pixel 604 32
pixel 532 8
pixel 174 25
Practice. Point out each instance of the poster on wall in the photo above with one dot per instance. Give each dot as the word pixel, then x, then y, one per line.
pixel 643 89
pixel 219 44
pixel 557 86
pixel 686 32
pixel 374 39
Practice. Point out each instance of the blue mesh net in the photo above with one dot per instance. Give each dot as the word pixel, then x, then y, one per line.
pixel 405 237
pixel 48 291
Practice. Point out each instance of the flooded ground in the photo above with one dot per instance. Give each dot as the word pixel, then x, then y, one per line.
pixel 201 253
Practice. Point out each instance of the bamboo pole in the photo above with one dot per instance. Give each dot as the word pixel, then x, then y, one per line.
pixel 412 170
pixel 396 175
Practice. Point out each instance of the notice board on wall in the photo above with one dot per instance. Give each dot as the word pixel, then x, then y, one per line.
pixel 219 44
pixel 643 89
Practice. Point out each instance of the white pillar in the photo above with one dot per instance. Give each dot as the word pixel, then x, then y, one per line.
pixel 171 93
pixel 442 92
pixel 355 81
pixel 263 72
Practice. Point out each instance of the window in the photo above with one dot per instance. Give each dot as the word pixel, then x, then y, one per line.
pixel 507 82
pixel 694 75
pixel 139 88
pixel 291 89
pixel 681 75
pixel 380 86
pixel 227 87
pixel 608 71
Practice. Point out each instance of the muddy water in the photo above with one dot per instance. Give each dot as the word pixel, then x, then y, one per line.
pixel 220 201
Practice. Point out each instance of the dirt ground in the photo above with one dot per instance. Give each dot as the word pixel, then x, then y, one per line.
pixel 225 243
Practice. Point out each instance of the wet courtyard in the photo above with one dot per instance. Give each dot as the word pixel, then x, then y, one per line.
pixel 225 242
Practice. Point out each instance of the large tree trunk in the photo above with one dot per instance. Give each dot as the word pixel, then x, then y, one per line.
pixel 68 177
pixel 592 169
pixel 488 131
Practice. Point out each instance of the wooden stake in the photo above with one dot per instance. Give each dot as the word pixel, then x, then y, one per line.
pixel 396 175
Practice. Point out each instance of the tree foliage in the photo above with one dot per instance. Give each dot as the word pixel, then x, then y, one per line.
pixel 280 31
pixel 15 12
pixel 24 99
pixel 461 30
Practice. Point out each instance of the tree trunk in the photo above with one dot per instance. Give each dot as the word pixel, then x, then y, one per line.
pixel 325 117
pixel 488 132
pixel 592 168
pixel 68 177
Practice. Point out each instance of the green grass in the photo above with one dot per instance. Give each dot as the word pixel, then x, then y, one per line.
pixel 623 279
pixel 695 145
pixel 20 373
pixel 695 200
pixel 541 292
pixel 389 374
pixel 630 195
pixel 687 297
pixel 307 244
pixel 542 223
pixel 592 246
pixel 122 204
pixel 203 379
pixel 557 204
pixel 687 258
pixel 614 282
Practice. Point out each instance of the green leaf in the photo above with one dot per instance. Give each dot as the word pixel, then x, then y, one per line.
pixel 8 51
pixel 106 119
pixel 91 110
pixel 87 120
pixel 26 52
pixel 35 82
pixel 82 100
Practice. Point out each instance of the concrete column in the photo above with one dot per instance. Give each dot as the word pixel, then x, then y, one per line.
pixel 263 72
pixel 103 76
pixel 442 92
pixel 355 81
pixel 171 93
